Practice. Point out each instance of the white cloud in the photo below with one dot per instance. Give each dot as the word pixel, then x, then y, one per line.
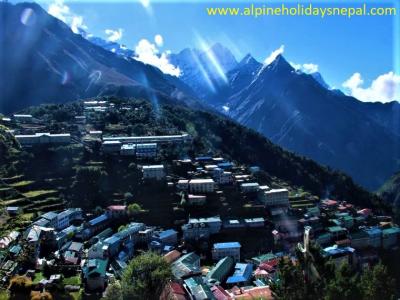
pixel 113 35
pixel 384 88
pixel 158 39
pixel 310 68
pixel 305 68
pixel 62 12
pixel 274 54
pixel 148 53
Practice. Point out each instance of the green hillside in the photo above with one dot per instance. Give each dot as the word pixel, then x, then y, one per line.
pixel 211 133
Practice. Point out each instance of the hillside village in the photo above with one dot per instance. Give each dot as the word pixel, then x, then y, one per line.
pixel 222 225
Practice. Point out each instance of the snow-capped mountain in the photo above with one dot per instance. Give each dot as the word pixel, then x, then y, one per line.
pixel 300 112
pixel 114 47
pixel 204 71
pixel 61 66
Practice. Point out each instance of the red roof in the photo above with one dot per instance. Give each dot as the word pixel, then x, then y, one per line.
pixel 329 202
pixel 219 293
pixel 365 211
pixel 177 288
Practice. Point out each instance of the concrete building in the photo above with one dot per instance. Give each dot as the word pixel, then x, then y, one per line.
pixel 52 217
pixel 196 199
pixel 221 250
pixel 195 232
pixel 220 272
pixel 94 274
pixel 128 150
pixel 146 150
pixel 254 222
pixel 96 134
pixel 241 276
pixel 390 237
pixel 181 138
pixel 43 139
pixel 214 223
pixel 249 187
pixel 274 197
pixel 166 237
pixel 375 237
pixel 111 146
pixel 182 184
pixel 201 186
pixel 153 172
pixel 23 118
pixel 222 177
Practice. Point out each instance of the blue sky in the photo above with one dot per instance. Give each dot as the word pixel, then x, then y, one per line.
pixel 339 46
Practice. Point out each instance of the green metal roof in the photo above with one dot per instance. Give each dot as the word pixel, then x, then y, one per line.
pixel 221 269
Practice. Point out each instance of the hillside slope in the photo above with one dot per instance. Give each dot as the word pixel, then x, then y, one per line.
pixel 48 63
pixel 390 191
pixel 220 135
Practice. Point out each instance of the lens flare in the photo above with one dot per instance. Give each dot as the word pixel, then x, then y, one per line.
pixel 28 17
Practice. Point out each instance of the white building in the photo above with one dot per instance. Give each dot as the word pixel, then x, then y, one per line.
pixel 221 176
pixel 23 118
pixel 221 250
pixel 249 187
pixel 96 134
pixel 197 199
pixel 151 139
pixel 214 223
pixel 153 172
pixel 275 197
pixel 254 222
pixel 183 184
pixel 43 139
pixel 111 146
pixel 201 185
pixel 195 231
pixel 128 150
pixel 146 150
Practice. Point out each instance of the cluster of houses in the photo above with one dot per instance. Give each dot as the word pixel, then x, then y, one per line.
pixel 93 247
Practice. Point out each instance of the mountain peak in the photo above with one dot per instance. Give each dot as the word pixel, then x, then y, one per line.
pixel 248 59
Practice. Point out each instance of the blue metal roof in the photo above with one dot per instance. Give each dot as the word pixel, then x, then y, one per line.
pixel 227 245
pixel 167 233
pixel 335 250
pixel 112 240
pixel 373 231
pixel 225 165
pixel 98 220
pixel 242 273
pixel 204 158
pixel 49 215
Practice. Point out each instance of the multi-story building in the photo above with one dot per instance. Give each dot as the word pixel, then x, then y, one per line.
pixel 43 139
pixel 23 118
pixel 182 184
pixel 111 146
pixel 214 223
pixel 51 217
pixel 128 150
pixel 196 231
pixel 153 172
pixel 167 237
pixel 231 249
pixel 274 197
pixel 249 187
pixel 150 139
pixel 146 150
pixel 196 199
pixel 390 237
pixel 221 176
pixel 201 185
